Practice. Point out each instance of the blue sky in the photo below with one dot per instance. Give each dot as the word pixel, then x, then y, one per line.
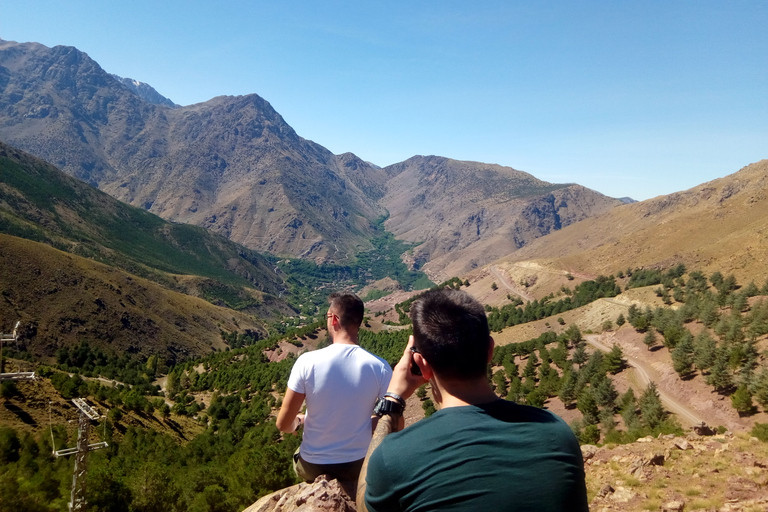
pixel 629 98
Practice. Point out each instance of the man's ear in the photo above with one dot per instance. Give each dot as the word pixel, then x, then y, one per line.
pixel 424 366
pixel 491 344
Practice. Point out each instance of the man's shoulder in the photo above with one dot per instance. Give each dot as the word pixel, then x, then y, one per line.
pixel 331 352
pixel 374 358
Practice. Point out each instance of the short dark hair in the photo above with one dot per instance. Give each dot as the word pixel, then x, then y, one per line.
pixel 348 307
pixel 450 330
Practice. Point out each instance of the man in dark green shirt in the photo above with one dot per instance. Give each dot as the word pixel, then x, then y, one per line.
pixel 478 452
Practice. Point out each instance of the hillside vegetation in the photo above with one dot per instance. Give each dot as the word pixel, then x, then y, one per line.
pixel 40 203
pixel 62 299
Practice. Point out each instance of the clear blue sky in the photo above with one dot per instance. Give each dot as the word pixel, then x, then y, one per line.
pixel 630 98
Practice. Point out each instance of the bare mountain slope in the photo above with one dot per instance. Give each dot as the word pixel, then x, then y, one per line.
pixel 231 164
pixel 467 214
pixel 720 225
pixel 63 299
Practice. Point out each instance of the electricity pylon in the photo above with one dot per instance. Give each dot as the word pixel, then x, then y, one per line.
pixel 87 413
pixel 17 375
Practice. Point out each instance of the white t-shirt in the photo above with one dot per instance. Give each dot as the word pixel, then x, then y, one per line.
pixel 341 384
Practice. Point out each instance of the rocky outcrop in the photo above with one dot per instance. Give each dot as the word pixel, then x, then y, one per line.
pixel 322 495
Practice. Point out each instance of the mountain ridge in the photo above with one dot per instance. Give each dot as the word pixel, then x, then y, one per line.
pixel 231 164
pixel 720 225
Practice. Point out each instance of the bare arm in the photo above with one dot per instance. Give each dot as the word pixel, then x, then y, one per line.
pixel 289 419
pixel 403 383
pixel 386 425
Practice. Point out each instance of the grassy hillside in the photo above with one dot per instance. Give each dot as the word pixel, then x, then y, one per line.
pixel 40 203
pixel 63 299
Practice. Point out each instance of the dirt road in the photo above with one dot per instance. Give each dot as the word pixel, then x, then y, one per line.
pixel 514 289
pixel 643 374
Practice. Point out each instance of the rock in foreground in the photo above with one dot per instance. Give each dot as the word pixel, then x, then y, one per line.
pixel 321 495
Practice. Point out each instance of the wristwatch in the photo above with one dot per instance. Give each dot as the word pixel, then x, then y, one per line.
pixel 384 406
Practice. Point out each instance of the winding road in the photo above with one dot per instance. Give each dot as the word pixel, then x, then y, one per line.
pixel 513 289
pixel 644 378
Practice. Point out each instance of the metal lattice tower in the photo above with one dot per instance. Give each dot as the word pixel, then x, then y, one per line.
pixel 4 337
pixel 87 413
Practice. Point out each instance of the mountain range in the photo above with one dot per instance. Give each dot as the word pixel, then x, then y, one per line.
pixel 234 166
pixel 128 279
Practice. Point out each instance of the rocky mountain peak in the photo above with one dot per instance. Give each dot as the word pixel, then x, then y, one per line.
pixel 145 92
pixel 233 165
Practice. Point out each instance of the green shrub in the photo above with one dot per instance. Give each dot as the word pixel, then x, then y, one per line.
pixel 760 431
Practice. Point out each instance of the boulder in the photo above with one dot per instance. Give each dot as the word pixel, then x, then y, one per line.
pixel 588 451
pixel 321 495
pixel 673 506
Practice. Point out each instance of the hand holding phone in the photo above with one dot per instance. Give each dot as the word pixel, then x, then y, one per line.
pixel 414 367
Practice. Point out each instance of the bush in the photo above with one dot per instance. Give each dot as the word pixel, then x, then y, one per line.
pixel 760 431
pixel 590 435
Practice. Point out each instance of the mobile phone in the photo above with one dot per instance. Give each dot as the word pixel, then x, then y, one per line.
pixel 414 367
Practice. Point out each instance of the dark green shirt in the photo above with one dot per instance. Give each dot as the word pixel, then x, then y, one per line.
pixel 493 457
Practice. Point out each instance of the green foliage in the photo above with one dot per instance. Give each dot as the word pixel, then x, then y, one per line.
pixel 614 360
pixel 587 405
pixel 584 293
pixel 567 392
pixel 683 356
pixel 650 277
pixel 760 431
pixel 704 351
pixel 651 410
pixel 94 362
pixel 429 408
pixel 8 389
pixel 720 376
pixel 500 383
pixel 386 344
pixel 742 401
pixel 650 338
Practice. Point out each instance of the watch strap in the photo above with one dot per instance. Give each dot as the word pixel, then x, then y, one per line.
pixel 384 406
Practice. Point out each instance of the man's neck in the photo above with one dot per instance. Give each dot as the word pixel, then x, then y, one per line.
pixel 461 393
pixel 344 338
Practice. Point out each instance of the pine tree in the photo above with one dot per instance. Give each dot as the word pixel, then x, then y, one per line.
pixel 742 401
pixel 682 356
pixel 650 338
pixel 719 375
pixel 587 404
pixel 613 362
pixel 760 388
pixel 580 355
pixel 568 389
pixel 605 394
pixel 573 334
pixel 704 350
pixel 628 400
pixel 606 420
pixel 530 367
pixel 651 410
pixel 500 382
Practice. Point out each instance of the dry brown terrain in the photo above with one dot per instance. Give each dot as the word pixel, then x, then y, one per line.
pixel 60 298
pixel 466 214
pixel 721 225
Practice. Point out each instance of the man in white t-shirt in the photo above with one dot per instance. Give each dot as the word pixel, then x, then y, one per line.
pixel 340 383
